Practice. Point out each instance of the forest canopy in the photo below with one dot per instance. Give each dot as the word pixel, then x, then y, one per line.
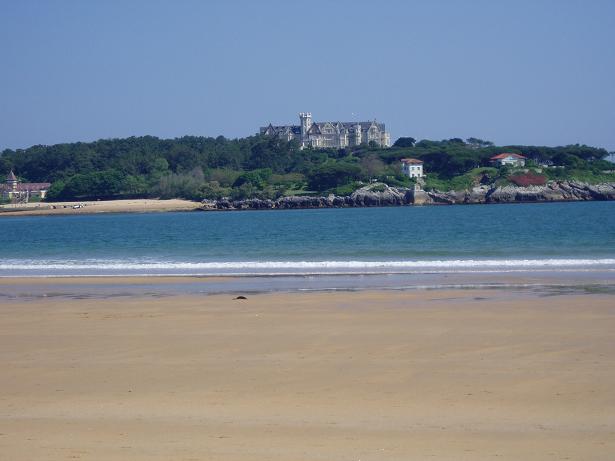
pixel 257 166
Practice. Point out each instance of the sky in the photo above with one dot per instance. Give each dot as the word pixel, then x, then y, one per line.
pixel 513 72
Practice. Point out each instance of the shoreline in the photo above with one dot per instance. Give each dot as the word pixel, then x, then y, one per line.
pixel 89 207
pixel 366 199
pixel 379 375
pixel 542 283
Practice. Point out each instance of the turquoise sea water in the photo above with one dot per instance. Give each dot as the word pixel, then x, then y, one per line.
pixel 554 236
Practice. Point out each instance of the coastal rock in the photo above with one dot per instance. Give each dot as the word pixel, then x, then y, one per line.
pixel 301 202
pixel 389 196
pixel 446 198
pixel 253 204
pixel 509 194
pixel 602 191
pixel 224 204
pixel 209 204
pixel 383 195
pixel 476 195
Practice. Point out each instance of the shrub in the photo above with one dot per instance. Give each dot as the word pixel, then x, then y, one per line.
pixel 347 189
pixel 378 187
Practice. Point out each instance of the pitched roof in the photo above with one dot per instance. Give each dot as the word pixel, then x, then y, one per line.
pixel 505 155
pixel 271 129
pixel 413 161
pixel 314 129
pixel 11 176
pixel 27 186
pixel 364 125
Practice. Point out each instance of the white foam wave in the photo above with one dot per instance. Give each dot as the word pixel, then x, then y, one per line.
pixel 298 266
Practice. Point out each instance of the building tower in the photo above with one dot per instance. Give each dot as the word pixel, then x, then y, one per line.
pixel 306 123
pixel 11 180
pixel 358 139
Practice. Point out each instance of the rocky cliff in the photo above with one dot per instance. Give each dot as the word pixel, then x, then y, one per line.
pixel 370 196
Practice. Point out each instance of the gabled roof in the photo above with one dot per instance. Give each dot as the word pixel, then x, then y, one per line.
pixel 364 125
pixel 505 155
pixel 28 186
pixel 274 130
pixel 412 161
pixel 314 129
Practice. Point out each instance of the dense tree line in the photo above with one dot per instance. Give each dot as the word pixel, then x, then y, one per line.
pixel 257 166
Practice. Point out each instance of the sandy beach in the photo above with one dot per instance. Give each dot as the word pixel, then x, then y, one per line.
pixel 102 206
pixel 433 374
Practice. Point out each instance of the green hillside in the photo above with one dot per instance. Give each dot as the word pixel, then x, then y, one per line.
pixel 199 167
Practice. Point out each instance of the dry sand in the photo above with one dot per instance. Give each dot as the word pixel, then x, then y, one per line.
pixel 417 375
pixel 103 206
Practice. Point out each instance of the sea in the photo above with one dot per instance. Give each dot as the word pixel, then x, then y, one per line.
pixel 555 237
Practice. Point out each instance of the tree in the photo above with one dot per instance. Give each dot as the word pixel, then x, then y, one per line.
pixel 55 191
pixel 477 143
pixel 456 141
pixel 405 142
pixel 256 178
pixel 568 160
pixel 98 184
pixel 181 185
pixel 372 166
pixel 332 175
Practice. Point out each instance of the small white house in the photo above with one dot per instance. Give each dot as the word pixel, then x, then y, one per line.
pixel 412 167
pixel 508 159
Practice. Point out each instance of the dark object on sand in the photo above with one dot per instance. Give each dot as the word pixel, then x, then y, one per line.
pixel 240 297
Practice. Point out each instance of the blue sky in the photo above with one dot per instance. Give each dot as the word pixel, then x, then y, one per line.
pixel 525 72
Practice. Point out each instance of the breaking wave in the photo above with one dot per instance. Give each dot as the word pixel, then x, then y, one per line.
pixel 148 267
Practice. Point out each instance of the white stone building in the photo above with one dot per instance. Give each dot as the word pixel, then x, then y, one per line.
pixel 338 135
pixel 412 167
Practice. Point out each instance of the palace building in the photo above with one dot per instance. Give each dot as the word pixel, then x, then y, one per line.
pixel 338 135
pixel 12 189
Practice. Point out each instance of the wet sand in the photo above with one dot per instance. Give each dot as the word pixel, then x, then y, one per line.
pixel 438 374
pixel 103 206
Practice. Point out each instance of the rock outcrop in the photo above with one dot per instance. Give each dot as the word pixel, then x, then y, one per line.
pixel 556 191
pixel 387 197
pixel 372 196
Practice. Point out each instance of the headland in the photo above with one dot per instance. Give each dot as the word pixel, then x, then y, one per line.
pixel 374 195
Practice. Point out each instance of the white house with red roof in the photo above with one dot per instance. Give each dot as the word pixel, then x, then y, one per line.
pixel 508 159
pixel 412 167
pixel 13 189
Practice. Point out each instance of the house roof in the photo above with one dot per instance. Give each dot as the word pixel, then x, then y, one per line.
pixel 505 155
pixel 364 125
pixel 11 176
pixel 315 128
pixel 271 129
pixel 27 186
pixel 413 161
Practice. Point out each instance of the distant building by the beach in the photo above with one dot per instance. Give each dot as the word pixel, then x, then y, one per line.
pixel 330 134
pixel 508 159
pixel 12 189
pixel 412 167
